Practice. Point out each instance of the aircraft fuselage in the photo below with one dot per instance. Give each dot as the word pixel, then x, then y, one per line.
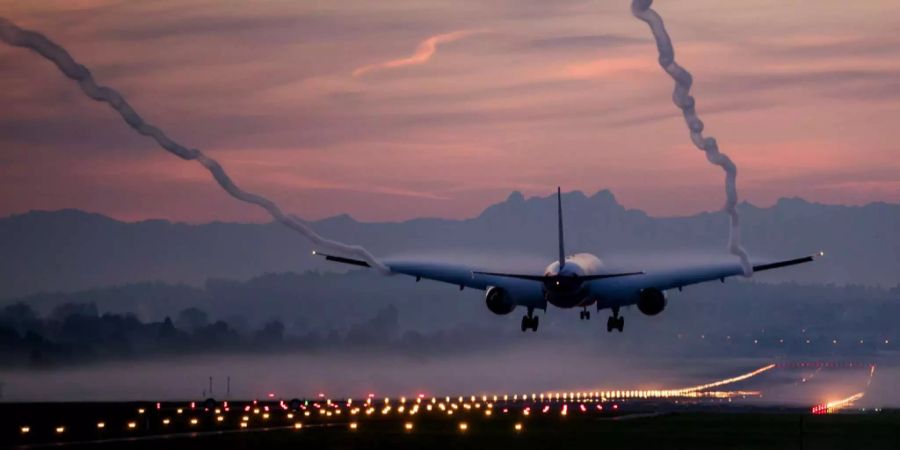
pixel 565 289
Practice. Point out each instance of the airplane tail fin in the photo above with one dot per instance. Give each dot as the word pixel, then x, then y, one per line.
pixel 562 246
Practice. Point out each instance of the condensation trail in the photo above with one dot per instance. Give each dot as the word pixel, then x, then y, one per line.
pixel 15 36
pixel 682 98
pixel 424 51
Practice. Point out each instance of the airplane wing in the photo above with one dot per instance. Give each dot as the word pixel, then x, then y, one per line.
pixel 459 275
pixel 673 278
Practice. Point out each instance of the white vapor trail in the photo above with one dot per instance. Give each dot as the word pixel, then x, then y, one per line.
pixel 15 36
pixel 683 100
pixel 425 50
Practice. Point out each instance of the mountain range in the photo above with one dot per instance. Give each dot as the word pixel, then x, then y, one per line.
pixel 67 250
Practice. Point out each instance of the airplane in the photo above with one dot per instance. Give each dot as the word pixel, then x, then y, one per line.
pixel 575 281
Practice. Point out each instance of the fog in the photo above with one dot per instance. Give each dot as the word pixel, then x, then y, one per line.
pixel 541 368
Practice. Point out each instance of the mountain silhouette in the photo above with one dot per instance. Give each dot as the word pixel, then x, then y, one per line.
pixel 67 250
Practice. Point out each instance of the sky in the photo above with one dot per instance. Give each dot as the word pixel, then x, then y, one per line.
pixel 394 110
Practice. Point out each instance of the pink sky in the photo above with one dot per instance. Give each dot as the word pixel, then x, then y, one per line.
pixel 523 95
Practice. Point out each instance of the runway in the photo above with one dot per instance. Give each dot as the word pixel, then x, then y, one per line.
pixel 34 425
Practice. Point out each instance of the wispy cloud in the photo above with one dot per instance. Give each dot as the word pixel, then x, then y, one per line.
pixel 424 51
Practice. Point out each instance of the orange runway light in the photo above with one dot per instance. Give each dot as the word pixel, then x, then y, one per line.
pixel 408 426
pixel 101 425
pixel 25 430
pixel 60 430
pixel 518 427
pixel 463 426
pixel 353 426
pixel 132 425
pixel 298 426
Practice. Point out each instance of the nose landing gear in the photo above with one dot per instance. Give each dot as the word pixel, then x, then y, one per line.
pixel 615 322
pixel 585 315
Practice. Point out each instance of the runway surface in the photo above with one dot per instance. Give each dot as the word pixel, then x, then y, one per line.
pixel 718 411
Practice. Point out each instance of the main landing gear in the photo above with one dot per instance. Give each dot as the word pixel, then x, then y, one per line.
pixel 530 321
pixel 585 315
pixel 615 322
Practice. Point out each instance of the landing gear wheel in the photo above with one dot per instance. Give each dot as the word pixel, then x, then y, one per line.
pixel 615 323
pixel 529 323
pixel 587 315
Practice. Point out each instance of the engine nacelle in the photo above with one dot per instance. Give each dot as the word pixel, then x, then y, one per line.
pixel 499 301
pixel 651 301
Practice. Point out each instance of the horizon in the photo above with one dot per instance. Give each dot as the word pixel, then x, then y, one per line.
pixel 267 220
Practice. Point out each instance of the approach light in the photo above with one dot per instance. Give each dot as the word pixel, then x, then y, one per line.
pixel 25 430
pixel 518 427
pixel 463 426
pixel 298 426
pixel 60 430
pixel 408 426
pixel 132 425
pixel 353 425
pixel 101 425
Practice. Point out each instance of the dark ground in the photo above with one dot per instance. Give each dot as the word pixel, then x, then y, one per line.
pixel 633 426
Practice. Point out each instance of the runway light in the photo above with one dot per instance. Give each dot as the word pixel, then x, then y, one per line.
pixel 60 430
pixel 220 419
pixel 166 421
pixel 298 426
pixel 140 410
pixel 25 430
pixel 487 413
pixel 265 415
pixel 179 411
pixel 290 416
pixel 243 424
pixel 463 426
pixel 245 418
pixel 101 425
pixel 408 426
pixel 132 425
pixel 518 427
pixel 353 425
pixel 194 421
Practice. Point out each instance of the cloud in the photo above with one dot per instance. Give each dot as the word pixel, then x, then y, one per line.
pixel 425 50
pixel 591 42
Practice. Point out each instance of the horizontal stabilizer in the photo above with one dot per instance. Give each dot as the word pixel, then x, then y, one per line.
pixel 789 262
pixel 341 259
pixel 544 278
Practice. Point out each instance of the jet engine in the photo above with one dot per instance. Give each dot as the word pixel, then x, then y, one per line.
pixel 651 301
pixel 499 301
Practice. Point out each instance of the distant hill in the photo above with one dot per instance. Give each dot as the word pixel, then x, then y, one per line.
pixel 70 250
